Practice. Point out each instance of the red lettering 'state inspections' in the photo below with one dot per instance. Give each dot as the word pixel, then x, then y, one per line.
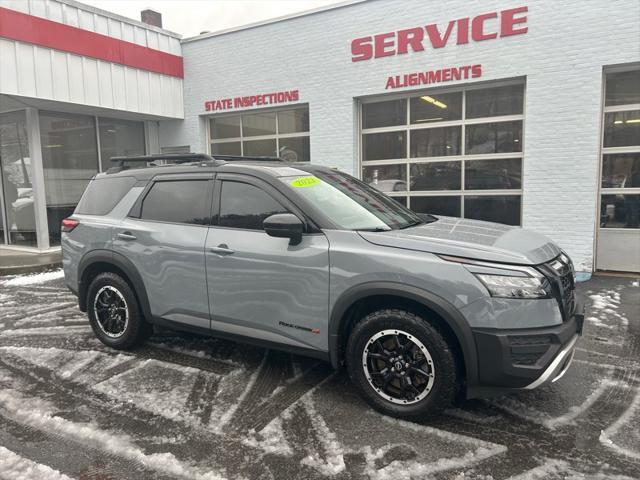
pixel 486 26
pixel 252 100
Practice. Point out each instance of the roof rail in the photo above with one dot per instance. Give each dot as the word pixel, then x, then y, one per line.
pixel 240 158
pixel 180 158
pixel 174 158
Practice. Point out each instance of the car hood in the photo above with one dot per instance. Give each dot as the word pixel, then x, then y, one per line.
pixel 491 242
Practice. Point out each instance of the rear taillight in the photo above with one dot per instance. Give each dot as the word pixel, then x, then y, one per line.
pixel 69 224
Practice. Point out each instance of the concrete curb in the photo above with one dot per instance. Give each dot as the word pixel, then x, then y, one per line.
pixel 24 269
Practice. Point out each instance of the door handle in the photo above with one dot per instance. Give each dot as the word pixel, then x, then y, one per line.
pixel 126 236
pixel 221 249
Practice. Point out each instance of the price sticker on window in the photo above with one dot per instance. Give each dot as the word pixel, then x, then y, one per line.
pixel 305 182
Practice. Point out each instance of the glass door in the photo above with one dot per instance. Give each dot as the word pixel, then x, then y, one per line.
pixel 17 220
pixel 619 223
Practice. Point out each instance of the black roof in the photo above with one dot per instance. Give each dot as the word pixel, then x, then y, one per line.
pixel 199 162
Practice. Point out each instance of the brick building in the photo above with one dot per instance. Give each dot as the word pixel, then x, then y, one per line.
pixel 526 113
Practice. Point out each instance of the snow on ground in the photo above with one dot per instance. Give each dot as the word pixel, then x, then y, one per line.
pixel 34 413
pixel 300 425
pixel 623 436
pixel 553 469
pixel 34 279
pixel 15 467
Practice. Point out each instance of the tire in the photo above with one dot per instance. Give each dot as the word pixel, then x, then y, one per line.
pixel 426 351
pixel 126 328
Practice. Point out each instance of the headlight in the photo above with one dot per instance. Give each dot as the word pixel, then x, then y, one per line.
pixel 513 287
pixel 506 281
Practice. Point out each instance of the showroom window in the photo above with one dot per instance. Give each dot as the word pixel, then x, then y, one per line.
pixel 17 218
pixel 620 179
pixel 72 154
pixel 119 138
pixel 447 152
pixel 282 133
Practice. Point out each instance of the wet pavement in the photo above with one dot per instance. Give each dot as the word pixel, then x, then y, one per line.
pixel 189 407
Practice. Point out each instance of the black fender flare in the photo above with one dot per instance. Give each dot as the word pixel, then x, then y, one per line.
pixel 122 263
pixel 444 309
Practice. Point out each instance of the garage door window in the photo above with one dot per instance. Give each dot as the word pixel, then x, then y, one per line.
pixel 620 180
pixel 274 133
pixel 450 152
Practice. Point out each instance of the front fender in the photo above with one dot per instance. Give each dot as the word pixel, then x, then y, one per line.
pixel 449 314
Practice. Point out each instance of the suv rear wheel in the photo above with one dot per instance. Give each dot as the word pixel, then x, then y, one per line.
pixel 114 313
pixel 401 364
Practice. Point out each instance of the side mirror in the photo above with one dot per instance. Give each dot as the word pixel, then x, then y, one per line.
pixel 284 225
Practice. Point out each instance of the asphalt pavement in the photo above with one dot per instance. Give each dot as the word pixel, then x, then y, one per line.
pixel 183 406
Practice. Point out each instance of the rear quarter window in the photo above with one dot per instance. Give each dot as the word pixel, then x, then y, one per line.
pixel 102 194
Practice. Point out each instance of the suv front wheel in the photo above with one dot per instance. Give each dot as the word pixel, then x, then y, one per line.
pixel 114 313
pixel 401 364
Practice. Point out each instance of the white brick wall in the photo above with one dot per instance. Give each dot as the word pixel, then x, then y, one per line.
pixel 562 57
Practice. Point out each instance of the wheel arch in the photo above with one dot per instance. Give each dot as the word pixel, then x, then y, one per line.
pixel 348 310
pixel 99 261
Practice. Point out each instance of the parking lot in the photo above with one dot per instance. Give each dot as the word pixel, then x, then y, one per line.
pixel 188 407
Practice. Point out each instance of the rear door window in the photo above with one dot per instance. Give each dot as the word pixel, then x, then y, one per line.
pixel 179 201
pixel 103 194
pixel 246 206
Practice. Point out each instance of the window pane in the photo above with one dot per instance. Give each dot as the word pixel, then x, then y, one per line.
pixel 494 137
pixel 500 209
pixel 103 194
pixel 622 129
pixel 246 206
pixel 493 174
pixel 263 148
pixel 383 146
pixel 435 142
pixel 70 160
pixel 386 178
pixel 436 176
pixel 225 127
pixel 293 121
pixel 621 171
pixel 436 108
pixel 447 206
pixel 259 124
pixel 384 114
pixel 120 137
pixel 294 149
pixel 620 211
pixel 491 102
pixel 177 202
pixel 15 174
pixel 226 148
pixel 623 88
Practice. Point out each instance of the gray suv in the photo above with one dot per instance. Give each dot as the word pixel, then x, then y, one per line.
pixel 308 259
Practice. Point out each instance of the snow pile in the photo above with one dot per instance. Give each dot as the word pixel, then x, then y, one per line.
pixel 604 306
pixel 26 411
pixel 34 279
pixel 16 467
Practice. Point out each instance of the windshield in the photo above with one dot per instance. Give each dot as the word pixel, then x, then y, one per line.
pixel 350 203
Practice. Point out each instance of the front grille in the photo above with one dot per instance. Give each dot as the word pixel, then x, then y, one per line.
pixel 561 275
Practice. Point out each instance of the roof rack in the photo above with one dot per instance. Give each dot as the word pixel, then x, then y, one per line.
pixel 182 158
pixel 174 158
pixel 239 158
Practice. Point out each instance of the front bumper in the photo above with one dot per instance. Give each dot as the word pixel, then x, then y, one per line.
pixel 518 359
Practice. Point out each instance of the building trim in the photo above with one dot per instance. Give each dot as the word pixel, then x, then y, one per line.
pixel 34 30
pixel 282 18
